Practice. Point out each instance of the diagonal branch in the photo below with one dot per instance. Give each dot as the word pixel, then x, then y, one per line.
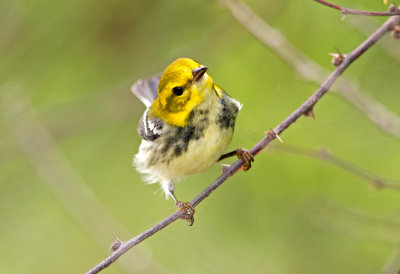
pixel 392 265
pixel 270 136
pixel 308 69
pixel 57 173
pixel 326 156
pixel 367 25
pixel 345 11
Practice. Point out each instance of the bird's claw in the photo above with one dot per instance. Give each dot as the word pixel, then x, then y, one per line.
pixel 246 156
pixel 188 210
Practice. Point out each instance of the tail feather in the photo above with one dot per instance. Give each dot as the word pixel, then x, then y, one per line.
pixel 146 89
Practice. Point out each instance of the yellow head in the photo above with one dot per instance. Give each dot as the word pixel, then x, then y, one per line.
pixel 184 84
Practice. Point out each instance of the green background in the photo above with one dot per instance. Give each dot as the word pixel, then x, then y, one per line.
pixel 68 134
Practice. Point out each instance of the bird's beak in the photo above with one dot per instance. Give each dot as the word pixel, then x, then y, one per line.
pixel 198 73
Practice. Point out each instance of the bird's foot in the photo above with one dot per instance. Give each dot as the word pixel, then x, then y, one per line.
pixel 188 210
pixel 246 156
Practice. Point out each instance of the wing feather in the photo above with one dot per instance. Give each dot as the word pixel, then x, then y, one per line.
pixel 146 89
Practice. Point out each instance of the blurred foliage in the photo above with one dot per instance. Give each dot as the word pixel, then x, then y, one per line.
pixel 75 62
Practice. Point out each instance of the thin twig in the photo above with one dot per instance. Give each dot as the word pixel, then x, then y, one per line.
pixel 324 155
pixel 366 25
pixel 392 265
pixel 270 136
pixel 273 39
pixel 352 222
pixel 63 181
pixel 345 11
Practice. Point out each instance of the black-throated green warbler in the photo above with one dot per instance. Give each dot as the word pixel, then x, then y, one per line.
pixel 186 127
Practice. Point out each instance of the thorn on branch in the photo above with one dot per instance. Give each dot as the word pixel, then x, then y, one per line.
pixel 271 135
pixel 337 58
pixel 392 7
pixel 396 33
pixel 310 113
pixel 115 245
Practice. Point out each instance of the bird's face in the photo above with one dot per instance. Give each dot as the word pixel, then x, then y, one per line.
pixel 183 85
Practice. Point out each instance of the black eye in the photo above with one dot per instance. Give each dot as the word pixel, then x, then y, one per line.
pixel 178 91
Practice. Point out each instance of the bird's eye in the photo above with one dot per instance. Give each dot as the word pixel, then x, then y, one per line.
pixel 178 91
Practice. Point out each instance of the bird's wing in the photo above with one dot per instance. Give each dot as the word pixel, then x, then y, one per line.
pixel 150 129
pixel 146 89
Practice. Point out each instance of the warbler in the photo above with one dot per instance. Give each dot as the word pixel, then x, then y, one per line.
pixel 188 123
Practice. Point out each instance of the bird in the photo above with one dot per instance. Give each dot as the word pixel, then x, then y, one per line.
pixel 187 125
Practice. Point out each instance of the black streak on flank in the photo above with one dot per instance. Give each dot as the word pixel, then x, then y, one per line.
pixel 177 150
pixel 227 115
pixel 188 133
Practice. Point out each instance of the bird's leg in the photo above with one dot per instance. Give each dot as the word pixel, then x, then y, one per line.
pixel 186 207
pixel 241 153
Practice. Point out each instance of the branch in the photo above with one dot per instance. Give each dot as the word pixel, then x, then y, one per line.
pixel 270 136
pixel 273 39
pixel 345 11
pixel 352 222
pixel 366 25
pixel 58 175
pixel 392 264
pixel 324 155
